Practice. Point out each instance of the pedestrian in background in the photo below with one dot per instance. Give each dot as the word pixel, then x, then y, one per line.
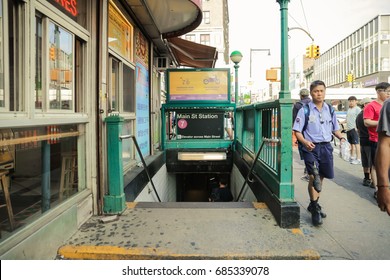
pixel 314 126
pixel 352 135
pixel 304 99
pixel 371 117
pixel 229 125
pixel 365 148
pixel 382 157
pixel 222 193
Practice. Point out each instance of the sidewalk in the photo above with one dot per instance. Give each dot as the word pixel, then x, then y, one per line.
pixel 201 230
pixel 354 229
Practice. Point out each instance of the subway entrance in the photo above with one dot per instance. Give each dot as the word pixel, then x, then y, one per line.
pixel 197 187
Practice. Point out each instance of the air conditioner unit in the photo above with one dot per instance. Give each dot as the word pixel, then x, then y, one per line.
pixel 162 63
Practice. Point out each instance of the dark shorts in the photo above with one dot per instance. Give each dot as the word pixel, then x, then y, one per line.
pixel 352 136
pixel 322 156
pixel 300 145
pixel 373 146
pixel 365 153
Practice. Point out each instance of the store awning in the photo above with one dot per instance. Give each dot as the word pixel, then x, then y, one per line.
pixel 192 54
pixel 166 19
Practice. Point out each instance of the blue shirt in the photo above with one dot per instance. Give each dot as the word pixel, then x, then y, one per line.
pixel 320 126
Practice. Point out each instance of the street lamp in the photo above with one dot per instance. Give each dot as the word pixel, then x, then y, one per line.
pixel 236 57
pixel 250 60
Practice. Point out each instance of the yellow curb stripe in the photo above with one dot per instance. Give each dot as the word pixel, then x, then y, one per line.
pixel 119 253
pixel 259 205
pixel 297 231
pixel 131 205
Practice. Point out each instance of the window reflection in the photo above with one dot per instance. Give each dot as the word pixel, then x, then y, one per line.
pixel 114 85
pixel 42 169
pixel 61 68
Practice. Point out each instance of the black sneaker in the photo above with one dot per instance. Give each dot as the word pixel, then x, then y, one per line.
pixel 316 214
pixel 366 182
pixel 322 213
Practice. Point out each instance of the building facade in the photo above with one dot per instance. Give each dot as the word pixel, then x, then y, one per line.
pixel 214 29
pixel 365 54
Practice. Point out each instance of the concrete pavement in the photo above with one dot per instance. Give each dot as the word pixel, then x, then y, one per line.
pixel 354 229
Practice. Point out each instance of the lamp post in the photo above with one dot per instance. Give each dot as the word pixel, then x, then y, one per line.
pixel 236 57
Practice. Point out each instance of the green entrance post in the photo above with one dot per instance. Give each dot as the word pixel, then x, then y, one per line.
pixel 114 202
pixel 284 92
pixel 235 57
pixel 289 209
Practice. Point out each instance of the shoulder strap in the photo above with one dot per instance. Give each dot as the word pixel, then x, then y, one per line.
pixel 331 109
pixel 306 108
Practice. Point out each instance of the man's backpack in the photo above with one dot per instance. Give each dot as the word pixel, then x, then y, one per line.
pixel 296 108
pixel 306 108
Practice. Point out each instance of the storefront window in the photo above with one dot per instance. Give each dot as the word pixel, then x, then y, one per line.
pixel 121 100
pixel 114 106
pixel 2 97
pixel 12 60
pixel 42 167
pixel 128 147
pixel 76 10
pixel 38 63
pixel 128 89
pixel 61 68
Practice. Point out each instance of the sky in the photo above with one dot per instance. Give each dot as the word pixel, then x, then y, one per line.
pixel 255 24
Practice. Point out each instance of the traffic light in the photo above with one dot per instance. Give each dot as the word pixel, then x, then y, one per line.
pixel 350 77
pixel 316 52
pixel 309 51
pixel 52 53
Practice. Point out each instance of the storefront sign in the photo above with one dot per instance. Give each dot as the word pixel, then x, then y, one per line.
pixel 141 49
pixel 69 7
pixel 120 33
pixel 199 85
pixel 142 110
pixel 372 82
pixel 200 125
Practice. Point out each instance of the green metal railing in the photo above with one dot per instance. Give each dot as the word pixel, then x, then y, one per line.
pixel 268 120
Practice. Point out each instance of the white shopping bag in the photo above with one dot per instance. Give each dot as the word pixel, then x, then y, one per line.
pixel 345 151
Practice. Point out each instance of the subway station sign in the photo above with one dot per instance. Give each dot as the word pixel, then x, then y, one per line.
pixel 194 85
pixel 200 125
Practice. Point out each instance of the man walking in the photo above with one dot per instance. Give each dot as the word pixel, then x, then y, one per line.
pixel 365 149
pixel 304 99
pixel 382 157
pixel 352 135
pixel 315 125
pixel 371 117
